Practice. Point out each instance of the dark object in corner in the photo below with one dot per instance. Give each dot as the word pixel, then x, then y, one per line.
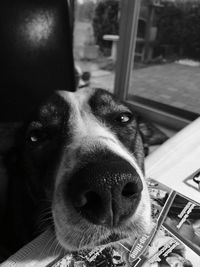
pixel 36 54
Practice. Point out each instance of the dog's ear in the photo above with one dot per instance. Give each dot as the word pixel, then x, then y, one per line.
pixel 151 135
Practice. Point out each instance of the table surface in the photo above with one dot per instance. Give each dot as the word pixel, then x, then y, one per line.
pixel 177 159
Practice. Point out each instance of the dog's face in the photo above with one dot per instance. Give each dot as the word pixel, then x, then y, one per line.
pixel 83 153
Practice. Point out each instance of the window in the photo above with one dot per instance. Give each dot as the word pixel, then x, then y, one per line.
pixel 146 51
pixel 164 79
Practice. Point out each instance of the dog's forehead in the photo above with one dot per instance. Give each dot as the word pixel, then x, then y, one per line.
pixel 98 101
pixel 103 102
pixel 59 105
pixel 79 98
pixel 51 111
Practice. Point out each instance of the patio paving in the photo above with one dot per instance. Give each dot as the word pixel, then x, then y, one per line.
pixel 172 84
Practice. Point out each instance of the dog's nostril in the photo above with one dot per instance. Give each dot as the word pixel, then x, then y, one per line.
pixel 93 199
pixel 129 190
pixel 88 200
pixel 90 205
pixel 105 192
pixel 80 202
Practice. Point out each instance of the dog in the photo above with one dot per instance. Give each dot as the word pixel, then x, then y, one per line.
pixel 79 163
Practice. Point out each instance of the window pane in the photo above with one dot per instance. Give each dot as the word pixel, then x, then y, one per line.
pixel 95 41
pixel 167 55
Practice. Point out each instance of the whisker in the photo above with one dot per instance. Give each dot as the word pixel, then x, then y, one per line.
pixel 57 248
pixel 46 249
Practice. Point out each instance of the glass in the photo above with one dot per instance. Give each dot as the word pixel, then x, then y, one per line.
pixel 167 55
pixel 95 42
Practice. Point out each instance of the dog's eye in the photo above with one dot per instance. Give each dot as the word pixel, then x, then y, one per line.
pixel 36 136
pixel 33 138
pixel 124 118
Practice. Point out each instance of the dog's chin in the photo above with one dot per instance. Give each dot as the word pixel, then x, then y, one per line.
pixel 113 239
pixel 73 241
pixel 87 237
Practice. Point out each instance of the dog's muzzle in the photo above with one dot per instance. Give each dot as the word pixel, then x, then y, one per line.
pixel 105 192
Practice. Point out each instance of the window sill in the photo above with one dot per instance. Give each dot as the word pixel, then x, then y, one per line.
pixel 173 119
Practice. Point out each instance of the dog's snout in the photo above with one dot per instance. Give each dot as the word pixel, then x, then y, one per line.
pixel 106 192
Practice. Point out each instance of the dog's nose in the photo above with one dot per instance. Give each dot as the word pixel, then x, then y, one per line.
pixel 106 193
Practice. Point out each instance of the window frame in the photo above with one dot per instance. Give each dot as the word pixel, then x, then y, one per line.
pixel 166 115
